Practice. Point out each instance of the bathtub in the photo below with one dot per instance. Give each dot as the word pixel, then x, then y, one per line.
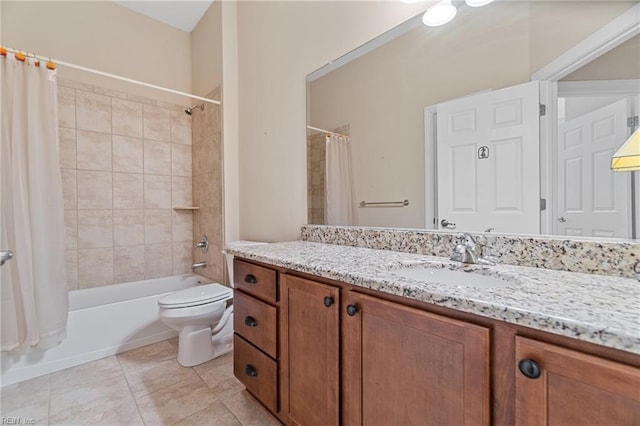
pixel 102 321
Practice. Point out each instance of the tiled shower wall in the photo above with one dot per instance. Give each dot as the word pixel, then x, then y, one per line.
pixel 207 187
pixel 126 162
pixel 316 155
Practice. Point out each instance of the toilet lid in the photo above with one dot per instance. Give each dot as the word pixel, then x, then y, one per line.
pixel 198 295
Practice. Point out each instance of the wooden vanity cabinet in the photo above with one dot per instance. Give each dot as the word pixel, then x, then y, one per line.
pixel 559 386
pixel 320 352
pixel 405 366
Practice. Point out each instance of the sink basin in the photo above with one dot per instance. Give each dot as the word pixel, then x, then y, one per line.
pixel 450 277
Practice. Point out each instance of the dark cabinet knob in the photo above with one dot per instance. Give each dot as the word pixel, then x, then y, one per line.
pixel 352 310
pixel 250 279
pixel 529 368
pixel 328 301
pixel 250 370
pixel 250 321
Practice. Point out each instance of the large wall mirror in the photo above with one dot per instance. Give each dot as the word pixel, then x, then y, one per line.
pixel 445 130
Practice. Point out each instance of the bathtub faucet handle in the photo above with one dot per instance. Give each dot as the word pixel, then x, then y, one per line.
pixel 203 244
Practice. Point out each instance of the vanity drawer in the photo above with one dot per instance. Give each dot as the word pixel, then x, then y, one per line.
pixel 256 371
pixel 256 280
pixel 255 321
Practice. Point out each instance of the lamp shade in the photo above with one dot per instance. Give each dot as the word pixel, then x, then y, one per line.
pixel 627 157
pixel 439 14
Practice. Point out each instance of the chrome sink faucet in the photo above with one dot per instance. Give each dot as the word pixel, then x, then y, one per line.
pixel 471 250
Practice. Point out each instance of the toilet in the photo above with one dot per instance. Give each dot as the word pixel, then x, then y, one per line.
pixel 203 317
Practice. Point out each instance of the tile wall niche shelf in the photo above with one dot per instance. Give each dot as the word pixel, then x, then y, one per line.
pixel 186 208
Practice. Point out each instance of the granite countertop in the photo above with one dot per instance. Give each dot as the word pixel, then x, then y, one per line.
pixel 600 309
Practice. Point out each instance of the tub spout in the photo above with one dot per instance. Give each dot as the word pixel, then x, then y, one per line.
pixel 198 265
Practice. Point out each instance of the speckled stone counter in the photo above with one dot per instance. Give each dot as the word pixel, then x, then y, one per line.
pixel 606 257
pixel 594 308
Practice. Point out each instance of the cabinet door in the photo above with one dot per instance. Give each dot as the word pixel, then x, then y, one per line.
pixel 572 388
pixel 310 338
pixel 404 366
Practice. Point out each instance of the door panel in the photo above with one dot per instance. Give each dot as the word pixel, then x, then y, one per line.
pixel 488 160
pixel 463 194
pixel 506 175
pixel 592 200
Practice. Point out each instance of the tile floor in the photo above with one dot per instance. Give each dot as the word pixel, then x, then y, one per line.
pixel 144 386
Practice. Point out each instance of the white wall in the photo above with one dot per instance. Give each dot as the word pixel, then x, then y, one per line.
pixel 279 43
pixel 556 26
pixel 623 62
pixel 206 51
pixel 230 121
pixel 104 36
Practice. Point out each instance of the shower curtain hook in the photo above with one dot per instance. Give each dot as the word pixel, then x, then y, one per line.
pixel 33 56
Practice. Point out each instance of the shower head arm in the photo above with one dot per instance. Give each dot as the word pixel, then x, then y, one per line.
pixel 189 110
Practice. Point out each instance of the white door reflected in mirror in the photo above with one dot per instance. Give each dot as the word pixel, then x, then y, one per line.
pixel 488 163
pixel 592 199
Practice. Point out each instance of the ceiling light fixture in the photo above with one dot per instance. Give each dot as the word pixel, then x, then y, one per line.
pixel 439 14
pixel 477 3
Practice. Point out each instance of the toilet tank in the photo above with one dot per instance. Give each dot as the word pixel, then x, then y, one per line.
pixel 229 256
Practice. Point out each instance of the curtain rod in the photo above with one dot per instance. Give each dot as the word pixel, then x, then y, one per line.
pixel 327 131
pixel 114 76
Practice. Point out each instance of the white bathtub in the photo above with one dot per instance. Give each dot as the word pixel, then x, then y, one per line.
pixel 102 321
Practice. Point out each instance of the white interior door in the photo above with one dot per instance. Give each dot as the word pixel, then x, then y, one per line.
pixel 488 161
pixel 593 200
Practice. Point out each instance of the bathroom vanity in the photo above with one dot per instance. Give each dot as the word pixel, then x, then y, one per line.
pixel 333 334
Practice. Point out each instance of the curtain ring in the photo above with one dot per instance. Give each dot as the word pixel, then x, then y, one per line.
pixel 36 62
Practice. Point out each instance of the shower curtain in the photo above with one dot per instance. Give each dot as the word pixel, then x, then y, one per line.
pixel 34 298
pixel 340 197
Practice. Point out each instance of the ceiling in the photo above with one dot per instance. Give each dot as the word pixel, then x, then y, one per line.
pixel 182 14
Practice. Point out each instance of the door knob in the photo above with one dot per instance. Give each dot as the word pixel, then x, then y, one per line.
pixel 561 219
pixel 446 224
pixel 5 256
pixel 328 301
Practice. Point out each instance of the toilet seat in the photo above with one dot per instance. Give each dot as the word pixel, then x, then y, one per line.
pixel 195 296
